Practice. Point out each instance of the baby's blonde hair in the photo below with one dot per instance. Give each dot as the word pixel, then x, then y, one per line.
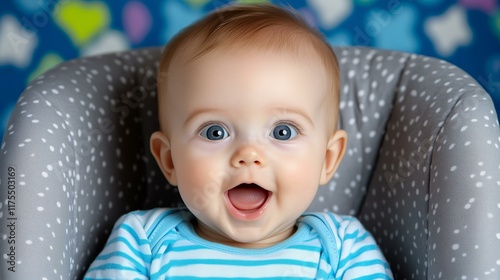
pixel 262 26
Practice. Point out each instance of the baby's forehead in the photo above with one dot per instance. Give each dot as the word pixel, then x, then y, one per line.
pixel 240 72
pixel 306 57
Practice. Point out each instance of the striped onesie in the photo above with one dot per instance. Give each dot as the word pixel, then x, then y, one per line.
pixel 162 244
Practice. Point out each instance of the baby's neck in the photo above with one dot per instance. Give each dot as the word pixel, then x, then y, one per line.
pixel 209 234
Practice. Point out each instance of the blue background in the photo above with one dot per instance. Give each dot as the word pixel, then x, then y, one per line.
pixel 36 35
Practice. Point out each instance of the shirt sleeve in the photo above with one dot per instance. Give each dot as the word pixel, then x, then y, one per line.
pixel 127 253
pixel 360 257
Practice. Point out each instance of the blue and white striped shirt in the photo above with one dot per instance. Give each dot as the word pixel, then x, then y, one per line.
pixel 162 244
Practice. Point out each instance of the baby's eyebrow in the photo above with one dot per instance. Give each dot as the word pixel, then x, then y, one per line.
pixel 200 111
pixel 277 111
pixel 294 111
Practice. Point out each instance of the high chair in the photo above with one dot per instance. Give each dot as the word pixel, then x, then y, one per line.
pixel 421 171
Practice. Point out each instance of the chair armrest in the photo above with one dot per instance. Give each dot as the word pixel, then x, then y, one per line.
pixel 464 201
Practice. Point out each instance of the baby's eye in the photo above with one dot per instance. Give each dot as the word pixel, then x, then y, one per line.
pixel 284 132
pixel 214 132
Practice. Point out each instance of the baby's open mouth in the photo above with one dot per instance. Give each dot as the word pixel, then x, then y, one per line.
pixel 248 198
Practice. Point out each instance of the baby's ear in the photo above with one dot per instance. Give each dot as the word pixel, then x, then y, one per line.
pixel 334 152
pixel 160 148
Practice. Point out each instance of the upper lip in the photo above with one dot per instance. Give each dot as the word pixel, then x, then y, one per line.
pixel 247 183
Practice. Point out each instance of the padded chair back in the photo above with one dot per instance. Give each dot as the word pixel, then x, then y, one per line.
pixel 421 170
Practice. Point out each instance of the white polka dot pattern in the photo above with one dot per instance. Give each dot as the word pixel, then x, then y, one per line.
pixel 421 169
pixel 78 140
pixel 433 196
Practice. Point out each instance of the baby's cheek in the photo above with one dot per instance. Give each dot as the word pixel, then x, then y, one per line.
pixel 196 199
pixel 198 184
pixel 304 172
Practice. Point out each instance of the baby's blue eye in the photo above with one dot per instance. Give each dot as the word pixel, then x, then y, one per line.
pixel 214 132
pixel 284 132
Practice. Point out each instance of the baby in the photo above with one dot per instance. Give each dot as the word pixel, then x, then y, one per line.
pixel 248 106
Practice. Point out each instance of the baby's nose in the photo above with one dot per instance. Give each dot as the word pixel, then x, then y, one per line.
pixel 247 156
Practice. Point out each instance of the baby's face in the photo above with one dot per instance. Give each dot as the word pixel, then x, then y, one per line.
pixel 248 138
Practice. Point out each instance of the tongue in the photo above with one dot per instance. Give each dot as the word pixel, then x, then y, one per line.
pixel 247 197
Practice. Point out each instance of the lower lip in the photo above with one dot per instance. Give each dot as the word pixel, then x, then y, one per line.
pixel 246 215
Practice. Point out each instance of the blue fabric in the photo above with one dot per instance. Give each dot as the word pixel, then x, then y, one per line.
pixel 36 35
pixel 162 243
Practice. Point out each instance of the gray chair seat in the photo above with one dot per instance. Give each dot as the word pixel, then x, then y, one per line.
pixel 422 168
